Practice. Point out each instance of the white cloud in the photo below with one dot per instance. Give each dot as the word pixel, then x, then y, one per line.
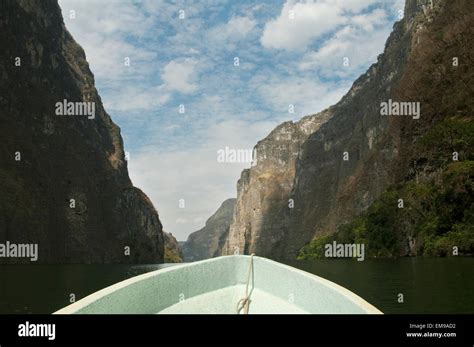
pixel 368 21
pixel 181 220
pixel 106 17
pixel 107 58
pixel 355 6
pixel 240 26
pixel 300 23
pixel 178 75
pixel 236 28
pixel 307 95
pixel 101 28
pixel 360 42
pixel 134 99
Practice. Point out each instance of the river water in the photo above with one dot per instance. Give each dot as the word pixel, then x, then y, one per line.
pixel 428 285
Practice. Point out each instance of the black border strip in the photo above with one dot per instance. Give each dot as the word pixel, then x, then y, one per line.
pixel 224 329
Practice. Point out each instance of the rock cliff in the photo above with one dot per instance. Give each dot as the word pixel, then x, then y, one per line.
pixel 63 178
pixel 208 241
pixel 316 174
pixel 173 253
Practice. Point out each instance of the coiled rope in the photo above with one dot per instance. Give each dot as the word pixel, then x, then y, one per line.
pixel 244 303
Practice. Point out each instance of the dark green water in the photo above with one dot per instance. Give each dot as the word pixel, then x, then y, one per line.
pixel 47 288
pixel 429 285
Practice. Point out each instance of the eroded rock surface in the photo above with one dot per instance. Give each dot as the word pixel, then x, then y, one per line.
pixel 63 158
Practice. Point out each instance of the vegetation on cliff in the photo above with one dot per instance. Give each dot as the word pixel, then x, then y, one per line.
pixel 435 216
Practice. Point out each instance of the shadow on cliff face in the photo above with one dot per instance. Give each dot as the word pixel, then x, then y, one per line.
pixel 416 66
pixel 63 178
pixel 345 164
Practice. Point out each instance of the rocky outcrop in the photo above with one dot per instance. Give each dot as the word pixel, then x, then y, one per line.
pixel 63 178
pixel 208 241
pixel 173 253
pixel 313 175
pixel 264 190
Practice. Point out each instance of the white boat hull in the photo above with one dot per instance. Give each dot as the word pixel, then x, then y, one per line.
pixel 216 286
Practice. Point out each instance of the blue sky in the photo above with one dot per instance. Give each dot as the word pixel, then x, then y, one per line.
pixel 289 53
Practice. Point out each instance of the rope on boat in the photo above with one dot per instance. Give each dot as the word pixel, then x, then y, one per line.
pixel 244 303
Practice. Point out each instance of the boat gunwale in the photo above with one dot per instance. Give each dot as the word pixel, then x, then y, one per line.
pixel 91 298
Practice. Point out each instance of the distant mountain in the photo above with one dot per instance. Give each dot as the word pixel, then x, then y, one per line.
pixel 208 241
pixel 63 175
pixel 173 253
pixel 315 176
